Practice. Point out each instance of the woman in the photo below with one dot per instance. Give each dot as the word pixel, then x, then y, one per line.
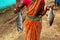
pixel 33 25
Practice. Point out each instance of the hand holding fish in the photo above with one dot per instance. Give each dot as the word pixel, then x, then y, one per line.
pixel 50 6
pixel 19 7
pixel 46 9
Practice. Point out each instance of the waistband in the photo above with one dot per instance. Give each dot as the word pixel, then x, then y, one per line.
pixel 33 18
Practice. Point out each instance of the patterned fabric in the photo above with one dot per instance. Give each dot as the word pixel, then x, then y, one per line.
pixel 32 18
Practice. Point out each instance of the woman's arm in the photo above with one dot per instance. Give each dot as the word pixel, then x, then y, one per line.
pixel 19 7
pixel 43 13
pixel 45 10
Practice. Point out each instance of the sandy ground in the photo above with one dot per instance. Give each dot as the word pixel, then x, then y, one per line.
pixel 8 30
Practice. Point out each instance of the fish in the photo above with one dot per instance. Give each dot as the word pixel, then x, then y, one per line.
pixel 51 16
pixel 19 22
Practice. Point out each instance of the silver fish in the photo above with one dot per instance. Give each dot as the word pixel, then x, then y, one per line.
pixel 51 17
pixel 19 21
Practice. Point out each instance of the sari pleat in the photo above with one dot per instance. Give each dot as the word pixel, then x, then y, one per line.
pixel 33 29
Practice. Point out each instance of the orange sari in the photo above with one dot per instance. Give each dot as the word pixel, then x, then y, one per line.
pixel 33 27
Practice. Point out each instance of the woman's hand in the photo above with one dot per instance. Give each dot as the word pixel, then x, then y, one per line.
pixel 45 10
pixel 15 11
pixel 40 16
pixel 19 7
pixel 50 6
